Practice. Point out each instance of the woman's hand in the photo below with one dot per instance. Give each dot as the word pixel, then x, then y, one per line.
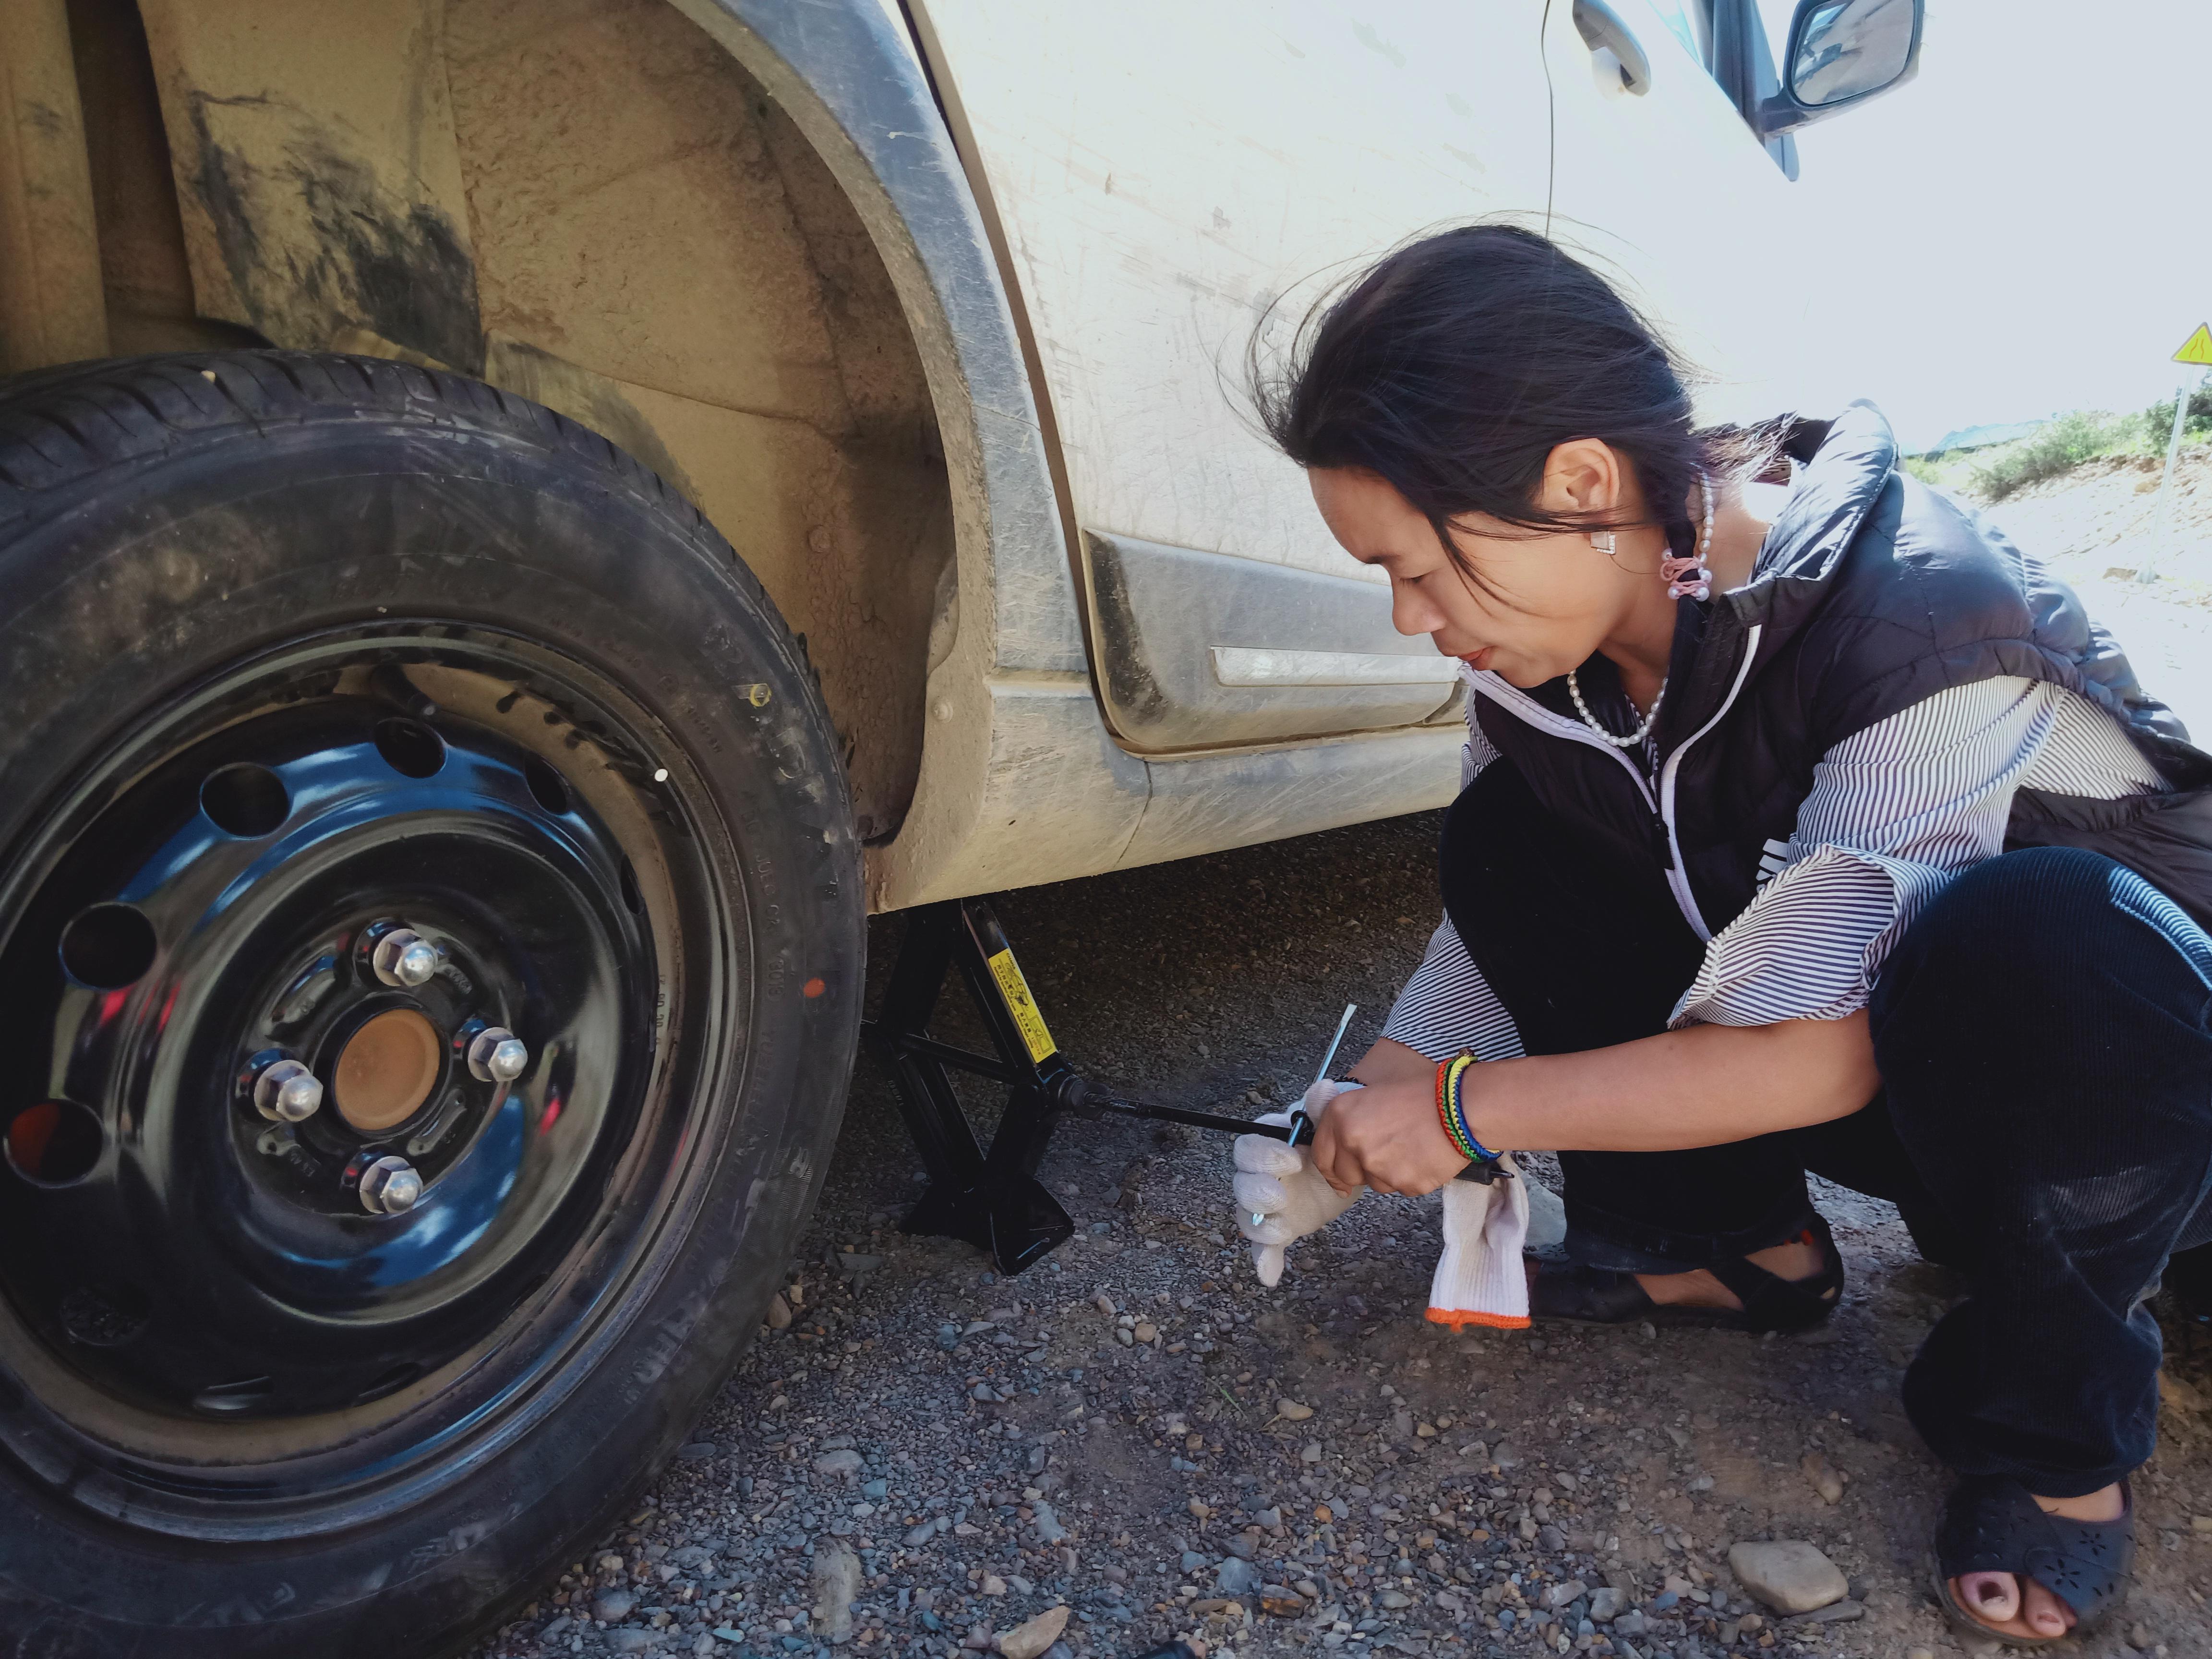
pixel 1281 1198
pixel 1386 1136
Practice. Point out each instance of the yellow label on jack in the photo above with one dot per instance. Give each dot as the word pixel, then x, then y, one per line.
pixel 1023 1006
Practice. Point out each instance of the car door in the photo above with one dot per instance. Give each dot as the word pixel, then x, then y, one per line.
pixel 1160 175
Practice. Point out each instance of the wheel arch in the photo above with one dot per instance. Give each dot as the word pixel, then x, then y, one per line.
pixel 732 235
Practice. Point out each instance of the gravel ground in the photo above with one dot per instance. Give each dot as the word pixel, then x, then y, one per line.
pixel 1135 1431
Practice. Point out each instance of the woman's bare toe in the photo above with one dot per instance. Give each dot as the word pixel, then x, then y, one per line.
pixel 2044 1612
pixel 1991 1597
pixel 1995 1599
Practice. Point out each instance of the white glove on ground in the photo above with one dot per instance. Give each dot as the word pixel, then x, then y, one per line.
pixel 1279 1183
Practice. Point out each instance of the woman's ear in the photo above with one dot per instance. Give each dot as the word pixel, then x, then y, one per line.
pixel 1583 477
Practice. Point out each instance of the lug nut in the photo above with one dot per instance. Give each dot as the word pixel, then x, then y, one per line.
pixel 390 1187
pixel 403 956
pixel 497 1055
pixel 287 1092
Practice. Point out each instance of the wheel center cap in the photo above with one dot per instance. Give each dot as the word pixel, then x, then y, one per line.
pixel 387 1070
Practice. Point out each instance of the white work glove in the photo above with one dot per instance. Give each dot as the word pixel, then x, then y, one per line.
pixel 1279 1184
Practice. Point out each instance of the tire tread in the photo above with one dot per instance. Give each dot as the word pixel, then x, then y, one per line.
pixel 62 426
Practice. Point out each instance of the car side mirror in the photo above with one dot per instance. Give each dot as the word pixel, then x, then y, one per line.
pixel 1841 53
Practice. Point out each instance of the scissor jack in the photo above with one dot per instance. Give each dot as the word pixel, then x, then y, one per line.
pixel 993 1198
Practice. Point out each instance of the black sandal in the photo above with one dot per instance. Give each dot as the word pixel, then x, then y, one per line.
pixel 1992 1525
pixel 1600 1296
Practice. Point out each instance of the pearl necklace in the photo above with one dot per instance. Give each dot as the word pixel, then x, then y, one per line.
pixel 1574 684
pixel 1575 691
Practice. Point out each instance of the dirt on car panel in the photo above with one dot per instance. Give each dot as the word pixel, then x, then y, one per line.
pixel 401 269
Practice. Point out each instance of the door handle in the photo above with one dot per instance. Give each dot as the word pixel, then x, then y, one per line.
pixel 1603 30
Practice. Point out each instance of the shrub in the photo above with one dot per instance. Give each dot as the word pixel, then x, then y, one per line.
pixel 2065 443
pixel 2158 419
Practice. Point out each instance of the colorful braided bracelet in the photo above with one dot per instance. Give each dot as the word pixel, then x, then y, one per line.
pixel 1451 1109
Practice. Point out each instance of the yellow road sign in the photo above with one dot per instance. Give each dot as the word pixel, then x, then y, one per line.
pixel 2197 348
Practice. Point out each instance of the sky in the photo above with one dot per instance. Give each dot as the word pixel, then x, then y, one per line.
pixel 2027 227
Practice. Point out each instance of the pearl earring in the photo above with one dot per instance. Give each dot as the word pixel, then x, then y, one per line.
pixel 1687 578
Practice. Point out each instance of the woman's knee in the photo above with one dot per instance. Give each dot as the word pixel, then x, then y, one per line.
pixel 2037 918
pixel 2025 977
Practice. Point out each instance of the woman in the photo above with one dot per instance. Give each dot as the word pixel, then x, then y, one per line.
pixel 1843 843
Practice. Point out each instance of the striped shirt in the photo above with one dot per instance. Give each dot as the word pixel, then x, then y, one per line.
pixel 1895 811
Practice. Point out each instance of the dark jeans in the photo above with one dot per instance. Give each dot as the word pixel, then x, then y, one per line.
pixel 2043 1032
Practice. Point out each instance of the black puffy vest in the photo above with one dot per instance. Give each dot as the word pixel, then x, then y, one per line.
pixel 1874 593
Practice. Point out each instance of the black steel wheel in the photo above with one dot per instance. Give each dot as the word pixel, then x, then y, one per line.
pixel 430 940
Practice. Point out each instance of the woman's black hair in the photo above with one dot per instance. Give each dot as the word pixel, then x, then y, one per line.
pixel 1454 365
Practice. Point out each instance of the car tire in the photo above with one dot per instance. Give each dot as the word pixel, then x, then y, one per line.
pixel 354 715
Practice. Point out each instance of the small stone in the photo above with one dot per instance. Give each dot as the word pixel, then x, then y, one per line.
pixel 2199 1523
pixel 630 1641
pixel 702 1646
pixel 993 1585
pixel 1702 1483
pixel 1292 1411
pixel 1236 1576
pixel 1836 1613
pixel 852 1264
pixel 1029 1641
pixel 1281 1601
pixel 779 1313
pixel 697 1452
pixel 986 1393
pixel 613 1606
pixel 948 1337
pixel 1560 1594
pixel 1146 1331
pixel 917 1536
pixel 1271 1517
pixel 1310 1452
pixel 1425 1430
pixel 1604 1604
pixel 1394 1600
pixel 1507 1456
pixel 844 1463
pixel 1048 1529
pixel 1192 1561
pixel 1122 1336
pixel 1104 1304
pixel 1789 1577
pixel 2140 1639
pixel 1823 1478
pixel 835 1580
pixel 876 1491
